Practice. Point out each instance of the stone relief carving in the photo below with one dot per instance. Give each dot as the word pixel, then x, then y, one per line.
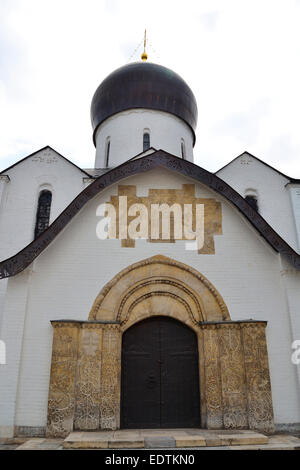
pixel 85 377
pixel 160 286
pixel 88 380
pixel 47 156
pixel 246 159
pixel 85 386
pixel 213 387
pixel 61 401
pixel 232 377
pixel 259 394
pixel 110 379
pixel 169 272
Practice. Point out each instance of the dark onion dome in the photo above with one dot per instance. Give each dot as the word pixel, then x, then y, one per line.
pixel 144 85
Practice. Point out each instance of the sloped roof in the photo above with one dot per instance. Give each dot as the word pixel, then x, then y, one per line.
pixel 292 180
pixel 25 257
pixel 41 150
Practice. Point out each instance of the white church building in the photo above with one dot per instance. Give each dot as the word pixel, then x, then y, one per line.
pixel 143 330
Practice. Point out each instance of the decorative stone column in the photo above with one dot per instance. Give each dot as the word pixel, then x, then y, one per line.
pixel 237 381
pixel 85 377
pixel 110 377
pixel 87 393
pixel 258 385
pixel 232 376
pixel 61 402
pixel 212 386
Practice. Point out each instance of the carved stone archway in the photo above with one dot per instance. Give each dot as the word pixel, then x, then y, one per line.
pixel 145 288
pixel 86 358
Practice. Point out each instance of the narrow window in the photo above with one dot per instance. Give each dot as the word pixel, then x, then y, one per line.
pixel 146 141
pixel 252 200
pixel 107 152
pixel 183 149
pixel 43 212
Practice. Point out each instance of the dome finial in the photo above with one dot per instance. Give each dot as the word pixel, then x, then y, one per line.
pixel 144 55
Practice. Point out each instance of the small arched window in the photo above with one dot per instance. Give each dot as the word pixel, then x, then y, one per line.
pixel 183 153
pixel 252 200
pixel 146 141
pixel 107 150
pixel 43 212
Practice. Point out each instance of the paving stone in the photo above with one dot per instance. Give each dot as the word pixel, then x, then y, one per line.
pixel 284 438
pixel 98 444
pixel 88 440
pixel 13 440
pixel 159 442
pixel 31 444
pixel 8 446
pixel 190 441
pixel 243 439
pixel 123 434
pixel 162 432
pixel 210 448
pixel 263 447
pixel 50 444
pixel 213 441
pixel 120 443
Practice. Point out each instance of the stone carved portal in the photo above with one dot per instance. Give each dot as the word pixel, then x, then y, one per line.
pixel 85 382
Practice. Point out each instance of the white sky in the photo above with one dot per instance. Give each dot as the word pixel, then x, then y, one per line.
pixel 240 58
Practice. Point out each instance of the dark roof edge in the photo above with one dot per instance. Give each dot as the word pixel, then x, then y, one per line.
pixel 40 150
pixel 26 256
pixel 292 180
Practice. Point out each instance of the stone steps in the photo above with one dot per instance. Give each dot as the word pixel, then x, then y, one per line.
pixel 156 439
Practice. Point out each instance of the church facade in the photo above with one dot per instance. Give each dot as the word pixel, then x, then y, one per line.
pixel 148 292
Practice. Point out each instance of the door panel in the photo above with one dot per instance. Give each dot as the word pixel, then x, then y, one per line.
pixel 140 377
pixel 180 376
pixel 160 377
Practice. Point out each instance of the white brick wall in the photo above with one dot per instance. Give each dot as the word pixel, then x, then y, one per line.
pixel 69 274
pixel 294 190
pixel 19 192
pixel 19 201
pixel 246 172
pixel 12 334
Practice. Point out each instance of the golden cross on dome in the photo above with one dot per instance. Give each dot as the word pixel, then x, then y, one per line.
pixel 144 55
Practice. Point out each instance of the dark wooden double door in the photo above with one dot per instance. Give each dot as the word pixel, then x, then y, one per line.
pixel 160 375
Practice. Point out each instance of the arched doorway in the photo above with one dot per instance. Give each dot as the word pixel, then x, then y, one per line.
pixel 160 375
pixel 87 363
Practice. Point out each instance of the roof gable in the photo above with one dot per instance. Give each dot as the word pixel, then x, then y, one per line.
pixel 289 178
pixel 41 150
pixel 25 257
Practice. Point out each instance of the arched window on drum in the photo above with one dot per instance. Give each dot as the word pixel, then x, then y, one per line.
pixel 183 151
pixel 107 152
pixel 146 140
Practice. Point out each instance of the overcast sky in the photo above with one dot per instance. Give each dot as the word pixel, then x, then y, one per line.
pixel 240 57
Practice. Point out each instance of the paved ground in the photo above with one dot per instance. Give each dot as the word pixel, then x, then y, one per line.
pixel 191 439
